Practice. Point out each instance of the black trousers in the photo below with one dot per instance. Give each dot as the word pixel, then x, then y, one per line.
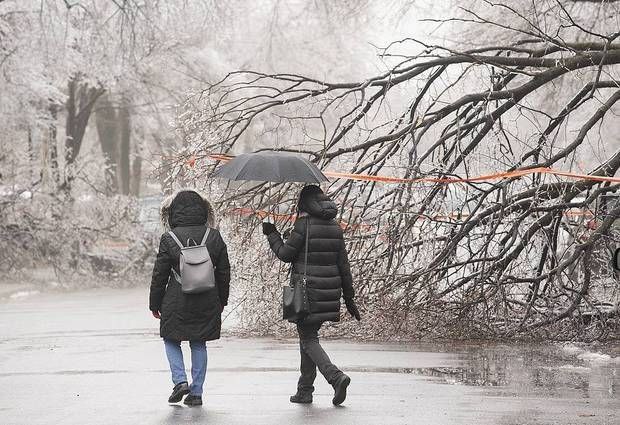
pixel 313 356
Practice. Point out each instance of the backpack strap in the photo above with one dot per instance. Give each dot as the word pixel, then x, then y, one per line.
pixel 171 233
pixel 204 238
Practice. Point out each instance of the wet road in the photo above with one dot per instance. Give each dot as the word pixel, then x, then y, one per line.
pixel 94 357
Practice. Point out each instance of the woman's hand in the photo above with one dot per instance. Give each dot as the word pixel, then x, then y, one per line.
pixel 268 228
pixel 352 308
pixel 156 314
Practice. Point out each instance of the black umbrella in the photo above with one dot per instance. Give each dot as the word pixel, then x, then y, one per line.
pixel 269 166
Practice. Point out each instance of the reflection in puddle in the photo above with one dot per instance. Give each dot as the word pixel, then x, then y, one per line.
pixel 533 370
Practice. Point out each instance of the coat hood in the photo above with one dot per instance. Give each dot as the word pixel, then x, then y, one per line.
pixel 313 201
pixel 187 207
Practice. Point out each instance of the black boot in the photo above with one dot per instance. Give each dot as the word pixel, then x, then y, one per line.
pixel 193 400
pixel 301 398
pixel 178 392
pixel 340 389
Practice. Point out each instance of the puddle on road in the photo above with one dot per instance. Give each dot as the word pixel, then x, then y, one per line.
pixel 522 370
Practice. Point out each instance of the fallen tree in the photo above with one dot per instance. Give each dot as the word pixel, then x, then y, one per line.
pixel 504 258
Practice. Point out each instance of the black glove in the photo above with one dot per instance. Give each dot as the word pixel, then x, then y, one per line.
pixel 268 228
pixel 352 308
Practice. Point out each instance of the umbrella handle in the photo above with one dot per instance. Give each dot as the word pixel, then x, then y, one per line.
pixel 270 208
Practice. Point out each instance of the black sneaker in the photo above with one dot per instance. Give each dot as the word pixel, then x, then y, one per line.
pixel 340 389
pixel 193 400
pixel 178 392
pixel 301 398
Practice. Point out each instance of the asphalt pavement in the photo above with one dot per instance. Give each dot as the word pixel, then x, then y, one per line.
pixel 94 357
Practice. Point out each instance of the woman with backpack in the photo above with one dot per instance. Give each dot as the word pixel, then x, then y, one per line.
pixel 325 267
pixel 193 317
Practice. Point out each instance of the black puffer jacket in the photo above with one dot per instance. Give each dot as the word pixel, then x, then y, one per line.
pixel 328 273
pixel 188 317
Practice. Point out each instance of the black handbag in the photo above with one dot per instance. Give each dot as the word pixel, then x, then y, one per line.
pixel 295 298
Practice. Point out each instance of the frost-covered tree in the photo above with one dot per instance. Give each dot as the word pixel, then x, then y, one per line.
pixel 526 86
pixel 61 64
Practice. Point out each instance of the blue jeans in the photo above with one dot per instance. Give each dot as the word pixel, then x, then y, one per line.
pixel 177 367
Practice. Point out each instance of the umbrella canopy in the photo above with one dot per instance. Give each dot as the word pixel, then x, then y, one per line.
pixel 269 166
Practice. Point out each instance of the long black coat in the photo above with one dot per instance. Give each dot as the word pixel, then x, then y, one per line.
pixel 189 317
pixel 328 273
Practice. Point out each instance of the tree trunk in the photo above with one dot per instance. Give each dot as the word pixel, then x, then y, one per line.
pixel 53 146
pixel 80 102
pixel 136 175
pixel 31 154
pixel 124 123
pixel 107 130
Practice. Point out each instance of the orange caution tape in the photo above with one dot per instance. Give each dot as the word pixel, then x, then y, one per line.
pixel 585 176
pixel 483 178
pixel 451 180
pixel 220 157
pixel 445 180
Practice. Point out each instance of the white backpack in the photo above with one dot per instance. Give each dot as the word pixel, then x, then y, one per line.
pixel 197 273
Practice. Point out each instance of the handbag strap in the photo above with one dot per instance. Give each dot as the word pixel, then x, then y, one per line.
pixel 306 253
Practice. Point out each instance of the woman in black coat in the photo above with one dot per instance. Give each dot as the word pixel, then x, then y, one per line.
pixel 328 277
pixel 188 317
